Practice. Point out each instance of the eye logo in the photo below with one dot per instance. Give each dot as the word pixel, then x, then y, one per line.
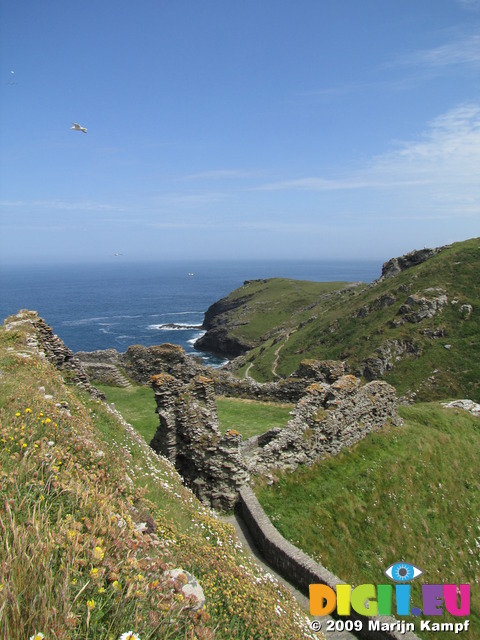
pixel 402 572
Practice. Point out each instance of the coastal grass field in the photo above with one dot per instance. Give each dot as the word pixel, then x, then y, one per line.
pixel 76 488
pixel 250 418
pixel 409 493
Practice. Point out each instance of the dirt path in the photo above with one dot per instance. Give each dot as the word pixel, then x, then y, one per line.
pixel 277 353
pixel 249 545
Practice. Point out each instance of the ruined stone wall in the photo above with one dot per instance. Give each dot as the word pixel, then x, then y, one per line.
pixel 53 348
pixel 326 419
pixel 288 390
pixel 189 436
pixel 140 363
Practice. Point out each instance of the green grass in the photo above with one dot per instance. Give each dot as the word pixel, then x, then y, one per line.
pixel 408 493
pixel 250 417
pixel 137 405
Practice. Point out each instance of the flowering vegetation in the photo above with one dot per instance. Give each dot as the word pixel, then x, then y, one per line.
pixel 92 521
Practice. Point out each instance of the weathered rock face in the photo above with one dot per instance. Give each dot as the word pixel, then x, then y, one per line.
pixel 188 435
pixel 397 265
pixel 326 419
pixel 218 339
pixel 43 339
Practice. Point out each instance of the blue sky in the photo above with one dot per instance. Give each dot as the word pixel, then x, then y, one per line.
pixel 222 129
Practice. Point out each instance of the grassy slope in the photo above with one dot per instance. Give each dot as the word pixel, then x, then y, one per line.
pixel 329 328
pixel 137 405
pixel 408 493
pixel 72 564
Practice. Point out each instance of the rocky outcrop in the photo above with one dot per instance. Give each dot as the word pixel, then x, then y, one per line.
pixel 386 356
pixel 423 305
pixel 42 340
pixel 466 405
pixel 397 265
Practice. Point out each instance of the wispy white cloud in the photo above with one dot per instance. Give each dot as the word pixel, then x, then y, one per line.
pixel 464 50
pixel 186 200
pixel 218 174
pixel 441 168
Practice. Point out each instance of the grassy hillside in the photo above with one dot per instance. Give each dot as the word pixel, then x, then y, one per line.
pixel 374 328
pixel 408 493
pixel 77 489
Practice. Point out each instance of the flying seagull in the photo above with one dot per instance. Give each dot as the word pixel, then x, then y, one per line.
pixel 77 127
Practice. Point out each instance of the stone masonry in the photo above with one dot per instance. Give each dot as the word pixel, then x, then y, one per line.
pixel 326 419
pixel 189 436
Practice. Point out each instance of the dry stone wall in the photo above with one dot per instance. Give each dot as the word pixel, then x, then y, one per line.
pixel 298 568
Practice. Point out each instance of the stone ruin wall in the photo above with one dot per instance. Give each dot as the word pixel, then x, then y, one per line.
pixel 189 436
pixel 326 419
pixel 328 416
pixel 49 345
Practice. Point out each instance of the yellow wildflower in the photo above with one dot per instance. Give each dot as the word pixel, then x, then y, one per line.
pixel 98 553
pixel 91 604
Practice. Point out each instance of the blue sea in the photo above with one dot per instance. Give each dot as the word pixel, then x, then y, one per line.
pixel 115 305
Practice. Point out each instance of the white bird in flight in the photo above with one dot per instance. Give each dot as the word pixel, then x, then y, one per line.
pixel 77 127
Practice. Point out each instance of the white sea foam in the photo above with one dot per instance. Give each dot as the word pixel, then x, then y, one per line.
pixel 82 321
pixel 173 326
pixel 196 337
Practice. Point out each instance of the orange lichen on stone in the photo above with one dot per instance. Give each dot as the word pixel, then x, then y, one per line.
pixel 167 347
pixel 346 383
pixel 160 379
pixel 315 387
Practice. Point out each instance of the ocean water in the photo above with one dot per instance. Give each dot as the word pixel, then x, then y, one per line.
pixel 118 304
